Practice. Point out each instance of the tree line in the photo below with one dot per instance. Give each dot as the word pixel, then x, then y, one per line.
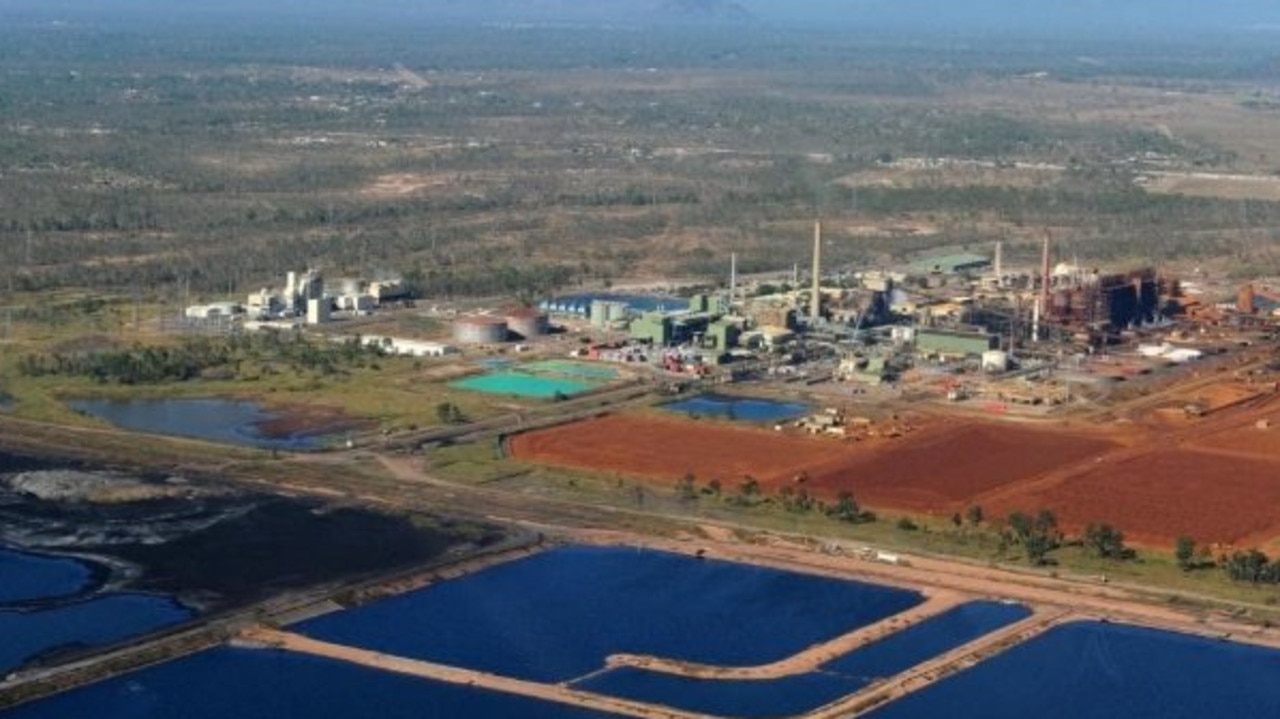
pixel 230 357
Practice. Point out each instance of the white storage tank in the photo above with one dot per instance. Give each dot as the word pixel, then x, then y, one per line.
pixel 527 322
pixel 479 330
pixel 995 361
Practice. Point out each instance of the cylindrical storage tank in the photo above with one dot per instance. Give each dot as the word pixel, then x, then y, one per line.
pixel 995 361
pixel 527 322
pixel 480 330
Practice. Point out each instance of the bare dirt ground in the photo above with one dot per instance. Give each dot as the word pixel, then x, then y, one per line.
pixel 667 449
pixel 1210 478
pixel 1203 184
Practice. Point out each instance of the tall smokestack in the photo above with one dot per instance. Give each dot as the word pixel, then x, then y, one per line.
pixel 999 264
pixel 1041 308
pixel 1044 274
pixel 815 300
pixel 733 277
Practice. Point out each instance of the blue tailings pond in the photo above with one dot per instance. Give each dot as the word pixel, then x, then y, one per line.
pixel 1092 670
pixel 230 683
pixel 902 650
pixel 799 694
pixel 217 420
pixel 557 616
pixel 25 576
pixel 737 698
pixel 745 409
pixel 44 607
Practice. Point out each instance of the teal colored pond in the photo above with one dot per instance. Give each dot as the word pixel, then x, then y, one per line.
pixel 557 616
pixel 231 683
pixel 523 385
pixel 572 369
pixel 744 409
pixel 216 420
pixel 1092 670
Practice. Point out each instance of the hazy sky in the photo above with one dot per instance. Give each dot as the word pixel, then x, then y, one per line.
pixel 1036 17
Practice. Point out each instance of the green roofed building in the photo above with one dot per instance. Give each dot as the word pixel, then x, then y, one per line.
pixel 959 264
pixel 654 327
pixel 952 344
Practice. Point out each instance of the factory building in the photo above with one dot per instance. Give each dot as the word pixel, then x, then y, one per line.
pixel 411 348
pixel 300 289
pixel 656 328
pixel 604 313
pixel 318 311
pixel 213 311
pixel 388 291
pixel 480 330
pixel 772 313
pixel 721 335
pixel 1117 301
pixel 264 303
pixel 952 344
pixel 355 303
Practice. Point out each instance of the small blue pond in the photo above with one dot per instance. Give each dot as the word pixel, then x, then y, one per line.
pixel 1092 670
pixel 259 684
pixel 217 420
pixel 558 615
pixel 782 697
pixel 744 409
pixel 902 650
pixel 26 577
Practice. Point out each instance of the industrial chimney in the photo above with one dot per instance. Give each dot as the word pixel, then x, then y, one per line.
pixel 815 298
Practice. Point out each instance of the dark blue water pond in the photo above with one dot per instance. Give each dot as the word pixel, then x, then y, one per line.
pixel 902 650
pixel 256 684
pixel 557 615
pixel 738 408
pixel 25 577
pixel 217 420
pixel 103 620
pixel 782 697
pixel 1092 670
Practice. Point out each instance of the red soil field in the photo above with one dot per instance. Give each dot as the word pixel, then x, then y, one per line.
pixel 668 448
pixel 943 470
pixel 1247 439
pixel 938 470
pixel 1154 498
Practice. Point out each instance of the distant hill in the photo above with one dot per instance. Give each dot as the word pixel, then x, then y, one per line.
pixel 718 10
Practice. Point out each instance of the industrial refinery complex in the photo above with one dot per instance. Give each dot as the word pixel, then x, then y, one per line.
pixel 960 326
